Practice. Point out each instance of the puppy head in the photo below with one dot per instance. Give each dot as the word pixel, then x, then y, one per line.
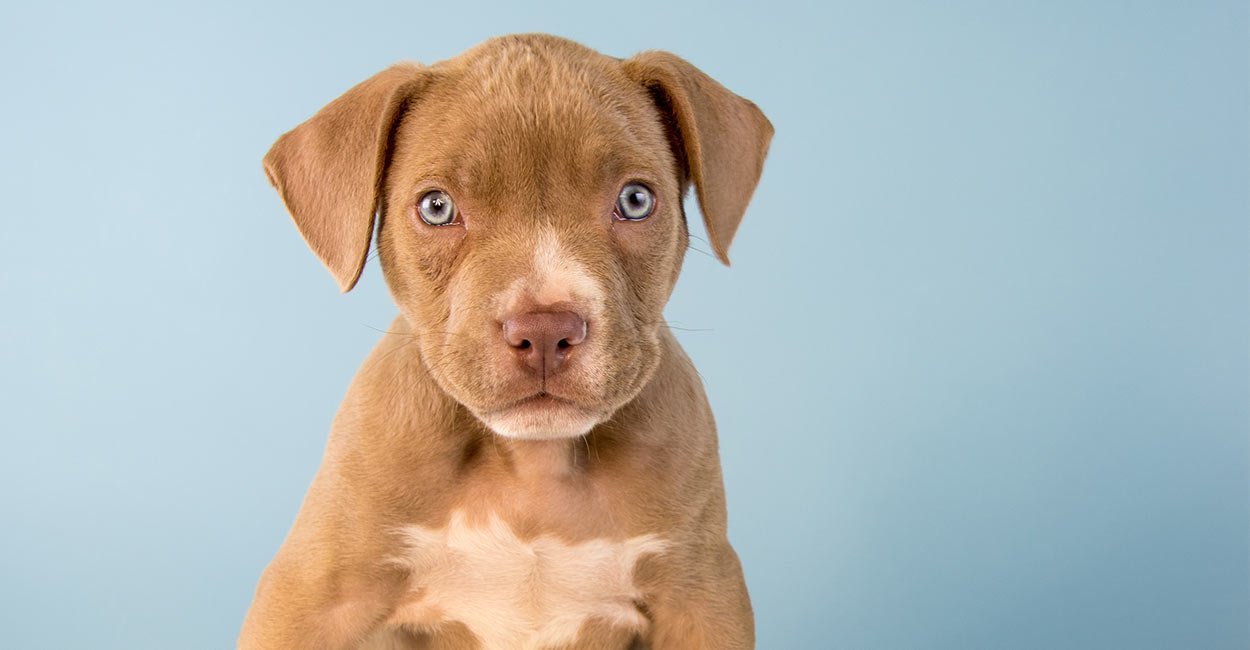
pixel 528 200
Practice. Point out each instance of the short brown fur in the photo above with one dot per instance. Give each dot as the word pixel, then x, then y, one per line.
pixel 532 135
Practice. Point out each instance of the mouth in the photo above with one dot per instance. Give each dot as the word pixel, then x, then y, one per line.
pixel 541 415
pixel 540 400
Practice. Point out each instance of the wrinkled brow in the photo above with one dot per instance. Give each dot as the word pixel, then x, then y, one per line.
pixel 536 162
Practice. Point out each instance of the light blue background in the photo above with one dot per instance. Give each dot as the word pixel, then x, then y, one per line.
pixel 981 366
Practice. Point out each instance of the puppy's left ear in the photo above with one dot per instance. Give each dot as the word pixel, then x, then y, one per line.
pixel 722 138
pixel 329 170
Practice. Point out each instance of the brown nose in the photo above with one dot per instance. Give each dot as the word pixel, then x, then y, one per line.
pixel 544 340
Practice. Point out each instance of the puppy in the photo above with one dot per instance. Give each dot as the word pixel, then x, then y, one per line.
pixel 527 459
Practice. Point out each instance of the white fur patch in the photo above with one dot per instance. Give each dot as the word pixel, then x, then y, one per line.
pixel 555 277
pixel 552 424
pixel 560 277
pixel 519 594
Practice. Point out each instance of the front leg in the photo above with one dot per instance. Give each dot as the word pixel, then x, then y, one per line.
pixel 706 606
pixel 301 604
pixel 327 588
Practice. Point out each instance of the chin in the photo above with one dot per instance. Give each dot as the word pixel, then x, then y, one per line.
pixel 541 418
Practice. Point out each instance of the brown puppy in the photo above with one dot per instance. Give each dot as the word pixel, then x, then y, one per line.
pixel 527 459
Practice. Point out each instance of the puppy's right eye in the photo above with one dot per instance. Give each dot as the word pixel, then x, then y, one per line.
pixel 436 208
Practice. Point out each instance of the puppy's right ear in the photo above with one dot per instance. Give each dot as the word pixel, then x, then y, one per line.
pixel 329 170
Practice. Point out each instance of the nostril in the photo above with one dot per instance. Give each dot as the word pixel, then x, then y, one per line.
pixel 563 344
pixel 525 344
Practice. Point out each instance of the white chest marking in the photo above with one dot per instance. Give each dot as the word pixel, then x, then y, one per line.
pixel 520 594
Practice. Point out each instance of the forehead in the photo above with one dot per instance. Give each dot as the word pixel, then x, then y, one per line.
pixel 534 116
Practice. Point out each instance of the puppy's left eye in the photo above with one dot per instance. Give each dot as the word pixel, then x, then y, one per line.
pixel 635 202
pixel 436 208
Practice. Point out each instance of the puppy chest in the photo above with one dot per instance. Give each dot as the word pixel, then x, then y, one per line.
pixel 514 593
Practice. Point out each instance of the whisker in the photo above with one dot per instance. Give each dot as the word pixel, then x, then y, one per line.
pixel 670 325
pixel 689 329
pixel 699 250
pixel 390 331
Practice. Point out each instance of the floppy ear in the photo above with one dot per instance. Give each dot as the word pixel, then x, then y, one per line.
pixel 329 170
pixel 722 138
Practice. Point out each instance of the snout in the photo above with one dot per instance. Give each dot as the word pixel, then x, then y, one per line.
pixel 546 392
pixel 544 340
pixel 538 350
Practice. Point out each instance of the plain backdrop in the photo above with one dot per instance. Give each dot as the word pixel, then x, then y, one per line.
pixel 981 365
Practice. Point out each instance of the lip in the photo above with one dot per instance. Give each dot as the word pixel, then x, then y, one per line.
pixel 540 400
pixel 541 416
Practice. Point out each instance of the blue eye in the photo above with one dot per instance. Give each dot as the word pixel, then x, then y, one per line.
pixel 635 202
pixel 436 208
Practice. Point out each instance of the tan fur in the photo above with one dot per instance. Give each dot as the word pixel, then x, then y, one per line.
pixel 447 513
